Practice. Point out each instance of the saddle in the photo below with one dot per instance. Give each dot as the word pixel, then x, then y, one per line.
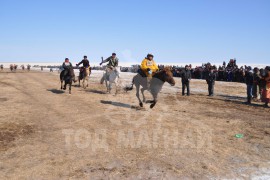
pixel 140 72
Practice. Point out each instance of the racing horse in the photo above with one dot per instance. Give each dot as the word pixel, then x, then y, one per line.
pixel 156 84
pixel 11 67
pixel 84 76
pixel 67 76
pixel 111 76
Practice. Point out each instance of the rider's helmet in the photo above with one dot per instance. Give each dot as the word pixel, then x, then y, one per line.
pixel 150 55
pixel 113 54
pixel 67 60
pixel 85 57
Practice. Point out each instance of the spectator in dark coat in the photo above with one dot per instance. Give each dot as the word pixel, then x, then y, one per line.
pixel 210 79
pixel 256 80
pixel 186 77
pixel 249 83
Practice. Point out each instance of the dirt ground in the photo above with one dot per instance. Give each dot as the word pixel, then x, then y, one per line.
pixel 45 133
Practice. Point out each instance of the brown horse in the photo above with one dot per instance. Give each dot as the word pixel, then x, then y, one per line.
pixel 11 67
pixel 156 84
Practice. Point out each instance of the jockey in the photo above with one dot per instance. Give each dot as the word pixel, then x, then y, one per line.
pixel 67 66
pixel 85 62
pixel 86 65
pixel 148 66
pixel 113 63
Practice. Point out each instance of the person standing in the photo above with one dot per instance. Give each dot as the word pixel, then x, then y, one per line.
pixel 210 79
pixel 249 83
pixel 186 77
pixel 266 89
pixel 256 79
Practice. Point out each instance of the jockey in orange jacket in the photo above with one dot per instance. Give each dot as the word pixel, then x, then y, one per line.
pixel 148 66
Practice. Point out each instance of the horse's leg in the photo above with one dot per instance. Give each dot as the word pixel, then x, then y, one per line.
pixel 65 86
pixel 107 86
pixel 142 91
pixel 154 102
pixel 87 77
pixel 83 82
pixel 110 86
pixel 61 84
pixel 138 95
pixel 70 87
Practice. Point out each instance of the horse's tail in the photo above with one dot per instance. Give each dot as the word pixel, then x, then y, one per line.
pixel 129 88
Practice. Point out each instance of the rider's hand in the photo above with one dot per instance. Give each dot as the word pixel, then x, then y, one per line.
pixel 76 64
pixel 100 64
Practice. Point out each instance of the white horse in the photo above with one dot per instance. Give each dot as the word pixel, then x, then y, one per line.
pixel 111 76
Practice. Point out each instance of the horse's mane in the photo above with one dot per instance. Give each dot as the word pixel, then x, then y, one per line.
pixel 166 70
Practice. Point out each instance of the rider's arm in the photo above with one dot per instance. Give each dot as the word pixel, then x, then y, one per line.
pixel 144 65
pixel 79 63
pixel 106 60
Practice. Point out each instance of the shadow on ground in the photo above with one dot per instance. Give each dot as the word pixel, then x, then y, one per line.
pixel 3 99
pixel 56 91
pixel 238 100
pixel 96 91
pixel 119 104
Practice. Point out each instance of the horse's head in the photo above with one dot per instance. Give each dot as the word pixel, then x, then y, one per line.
pixel 166 75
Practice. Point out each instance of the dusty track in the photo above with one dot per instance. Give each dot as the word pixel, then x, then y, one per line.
pixel 183 137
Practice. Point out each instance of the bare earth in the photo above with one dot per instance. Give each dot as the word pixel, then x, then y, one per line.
pixel 45 133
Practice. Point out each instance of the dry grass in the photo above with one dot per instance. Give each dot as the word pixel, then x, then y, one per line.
pixel 182 137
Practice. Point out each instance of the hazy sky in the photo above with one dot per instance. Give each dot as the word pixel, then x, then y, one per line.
pixel 173 30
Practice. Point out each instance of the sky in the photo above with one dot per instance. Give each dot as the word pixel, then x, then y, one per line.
pixel 173 30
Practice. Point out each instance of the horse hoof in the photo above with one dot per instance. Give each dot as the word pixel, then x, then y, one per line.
pixel 141 104
pixel 152 105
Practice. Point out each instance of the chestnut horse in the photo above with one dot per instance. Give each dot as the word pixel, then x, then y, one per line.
pixel 84 76
pixel 156 84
